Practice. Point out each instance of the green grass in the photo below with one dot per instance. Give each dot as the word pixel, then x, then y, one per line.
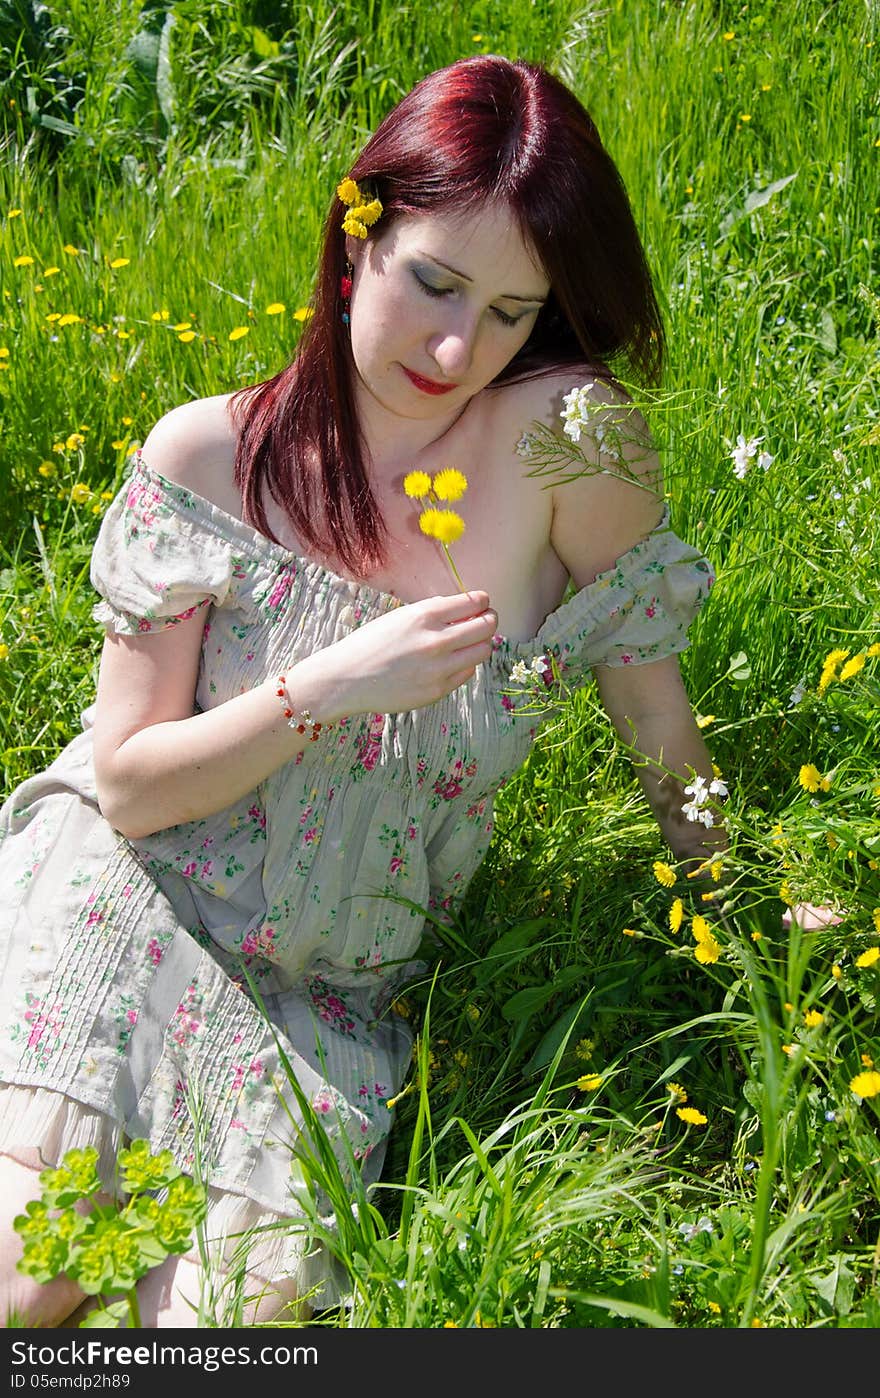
pixel 749 139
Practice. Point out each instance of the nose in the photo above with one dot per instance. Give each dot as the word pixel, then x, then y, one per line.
pixel 452 347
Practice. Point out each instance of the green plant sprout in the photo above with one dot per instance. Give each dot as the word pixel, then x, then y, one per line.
pixel 110 1248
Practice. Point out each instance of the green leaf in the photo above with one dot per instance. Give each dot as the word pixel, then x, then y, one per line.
pixel 739 668
pixel 106 1317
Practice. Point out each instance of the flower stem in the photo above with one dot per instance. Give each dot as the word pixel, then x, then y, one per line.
pixel 455 572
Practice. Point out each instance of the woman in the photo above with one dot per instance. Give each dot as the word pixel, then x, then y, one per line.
pixel 301 718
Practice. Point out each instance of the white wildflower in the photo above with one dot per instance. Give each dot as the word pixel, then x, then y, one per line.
pixel 691 809
pixel 797 694
pixel 525 446
pixel 743 453
pixel 697 789
pixel 576 411
pixel 520 672
pixel 717 787
pixel 765 460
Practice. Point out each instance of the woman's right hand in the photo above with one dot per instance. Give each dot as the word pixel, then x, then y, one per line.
pixel 408 658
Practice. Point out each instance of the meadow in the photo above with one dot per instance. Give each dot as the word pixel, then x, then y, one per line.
pixel 635 1103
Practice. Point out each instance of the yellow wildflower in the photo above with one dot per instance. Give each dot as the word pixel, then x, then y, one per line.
pixel 450 484
pixel 810 777
pixel 443 525
pixel 186 337
pixel 677 1091
pixel 836 971
pixel 303 313
pixel 75 440
pixel 238 332
pixel 866 1060
pixel 868 958
pixel 23 261
pixel 120 262
pixel 756 936
pixel 785 893
pixel 700 928
pixel 852 667
pixel 663 873
pixel 865 1084
pixel 51 271
pixel 813 1018
pixel 14 213
pixel 745 116
pixel 70 250
pixel 80 493
pixel 873 650
pixel 276 308
pixel 69 318
pixel 348 192
pixel 676 913
pixel 703 720
pixel 4 352
pixel 4 650
pixel 589 1082
pixel 160 315
pixel 47 469
pixel 630 932
pixel 417 484
pixel 691 1116
pixel 714 1307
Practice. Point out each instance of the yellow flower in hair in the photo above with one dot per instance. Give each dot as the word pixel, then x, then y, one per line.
pixel 368 213
pixel 348 192
pixel 353 226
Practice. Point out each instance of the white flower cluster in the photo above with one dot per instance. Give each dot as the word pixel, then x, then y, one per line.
pixel 521 673
pixel 699 791
pixel 576 411
pixel 744 452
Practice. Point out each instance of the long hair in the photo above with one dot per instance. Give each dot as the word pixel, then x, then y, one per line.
pixel 484 128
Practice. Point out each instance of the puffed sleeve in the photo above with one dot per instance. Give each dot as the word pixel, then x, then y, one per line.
pixel 158 558
pixel 639 610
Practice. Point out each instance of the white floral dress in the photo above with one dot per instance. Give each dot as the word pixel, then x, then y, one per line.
pixel 123 1000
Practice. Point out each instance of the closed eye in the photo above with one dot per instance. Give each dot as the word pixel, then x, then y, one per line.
pixel 430 290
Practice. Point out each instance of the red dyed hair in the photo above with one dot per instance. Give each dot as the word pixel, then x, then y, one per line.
pixel 482 129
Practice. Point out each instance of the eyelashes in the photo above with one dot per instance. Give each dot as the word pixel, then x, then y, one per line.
pixel 438 291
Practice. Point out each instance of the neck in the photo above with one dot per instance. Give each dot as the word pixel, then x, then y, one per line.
pixel 388 437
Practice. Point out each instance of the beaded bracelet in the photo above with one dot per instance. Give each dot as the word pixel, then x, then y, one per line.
pixel 300 719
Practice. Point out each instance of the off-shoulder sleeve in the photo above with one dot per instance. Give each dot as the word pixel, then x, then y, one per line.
pixel 639 610
pixel 156 560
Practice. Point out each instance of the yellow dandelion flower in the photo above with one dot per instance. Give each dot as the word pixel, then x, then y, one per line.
pixel 707 951
pixel 757 936
pixel 703 720
pixel 449 527
pixel 868 958
pixel 75 440
pixel 51 271
pixel 663 873
pixel 238 332
pixel 873 650
pixel 788 1049
pixel 276 308
pixel 23 261
pixel 836 971
pixel 69 318
pixel 788 1006
pixel 676 1091
pixel 4 650
pixel 745 116
pixel 676 913
pixel 630 932
pixel 853 666
pixel 866 1060
pixel 691 1116
pixel 303 313
pixel 810 777
pixel 700 928
pixel 450 484
pixel 813 1018
pixel 182 325
pixel 47 469
pixel 70 250
pixel 714 1307
pixel 589 1083
pixel 728 36
pixel 14 213
pixel 80 493
pixel 417 485
pixel 865 1084
pixel 160 315
pixel 120 262
pixel 119 444
pixel 186 337
pixel 4 352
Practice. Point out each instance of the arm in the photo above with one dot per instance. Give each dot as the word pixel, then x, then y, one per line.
pixel 651 713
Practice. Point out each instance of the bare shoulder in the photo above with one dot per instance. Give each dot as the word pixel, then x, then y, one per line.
pixel 593 452
pixel 194 445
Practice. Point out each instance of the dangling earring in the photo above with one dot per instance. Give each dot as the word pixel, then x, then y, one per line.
pixel 345 285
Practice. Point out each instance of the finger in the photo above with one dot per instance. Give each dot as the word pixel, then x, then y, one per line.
pixel 461 606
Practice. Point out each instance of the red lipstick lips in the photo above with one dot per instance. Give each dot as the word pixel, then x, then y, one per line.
pixel 427 385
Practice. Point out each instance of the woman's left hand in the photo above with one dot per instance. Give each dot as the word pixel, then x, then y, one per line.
pixel 809 917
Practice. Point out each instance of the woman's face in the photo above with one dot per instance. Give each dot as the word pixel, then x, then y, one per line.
pixel 440 304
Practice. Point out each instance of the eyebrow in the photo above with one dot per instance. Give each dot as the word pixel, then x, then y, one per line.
pixel 505 296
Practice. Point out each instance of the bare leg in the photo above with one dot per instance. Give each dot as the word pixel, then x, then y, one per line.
pixel 23 1301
